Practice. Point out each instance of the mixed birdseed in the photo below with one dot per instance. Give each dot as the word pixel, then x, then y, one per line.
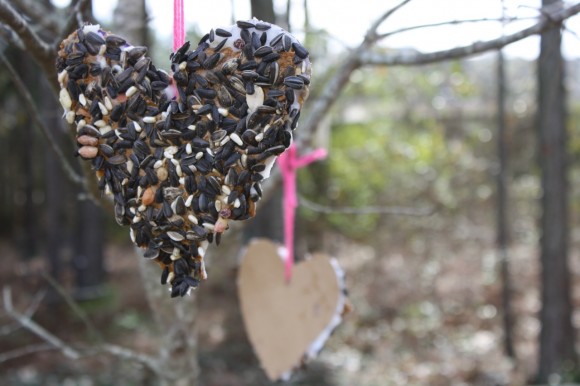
pixel 182 153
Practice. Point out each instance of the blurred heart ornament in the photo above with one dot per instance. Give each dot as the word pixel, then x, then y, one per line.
pixel 288 322
pixel 183 152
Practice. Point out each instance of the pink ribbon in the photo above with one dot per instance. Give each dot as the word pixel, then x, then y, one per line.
pixel 289 162
pixel 178 25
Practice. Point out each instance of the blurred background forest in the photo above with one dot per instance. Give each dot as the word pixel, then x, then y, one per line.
pixel 431 199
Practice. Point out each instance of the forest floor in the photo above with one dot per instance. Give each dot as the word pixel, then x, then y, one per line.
pixel 426 311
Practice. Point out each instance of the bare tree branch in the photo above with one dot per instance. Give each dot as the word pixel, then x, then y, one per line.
pixel 78 16
pixel 42 15
pixel 334 86
pixel 10 36
pixel 26 350
pixel 362 55
pixel 452 22
pixel 9 329
pixel 35 328
pixel 56 343
pixel 546 22
pixel 25 94
pixel 45 55
pixel 30 311
pixel 366 210
pixel 42 52
pixel 91 329
pixel 321 105
pixel 124 353
pixel 371 35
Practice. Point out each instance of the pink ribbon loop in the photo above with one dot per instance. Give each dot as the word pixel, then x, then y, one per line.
pixel 289 162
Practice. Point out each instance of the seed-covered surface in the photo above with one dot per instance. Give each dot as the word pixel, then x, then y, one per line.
pixel 183 152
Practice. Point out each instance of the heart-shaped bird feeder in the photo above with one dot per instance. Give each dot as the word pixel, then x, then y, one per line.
pixel 183 152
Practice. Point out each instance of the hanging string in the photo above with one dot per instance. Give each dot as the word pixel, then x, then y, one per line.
pixel 178 25
pixel 289 162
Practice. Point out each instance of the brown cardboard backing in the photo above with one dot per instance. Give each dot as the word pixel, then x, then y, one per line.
pixel 283 319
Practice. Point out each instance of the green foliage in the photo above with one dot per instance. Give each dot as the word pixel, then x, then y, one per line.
pixel 109 301
pixel 574 131
pixel 395 142
pixel 130 319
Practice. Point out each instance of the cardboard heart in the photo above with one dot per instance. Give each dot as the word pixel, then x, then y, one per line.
pixel 287 321
pixel 183 152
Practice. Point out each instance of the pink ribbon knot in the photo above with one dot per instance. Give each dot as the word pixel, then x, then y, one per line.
pixel 289 162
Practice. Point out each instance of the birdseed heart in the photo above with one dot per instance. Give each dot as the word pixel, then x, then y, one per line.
pixel 183 153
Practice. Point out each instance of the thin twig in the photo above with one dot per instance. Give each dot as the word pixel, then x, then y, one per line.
pixel 10 36
pixel 57 343
pixel 124 353
pixel 334 86
pixel 366 210
pixel 371 35
pixel 41 15
pixel 74 307
pixel 29 101
pixel 9 329
pixel 26 350
pixel 330 91
pixel 77 9
pixel 29 313
pixel 362 55
pixel 35 328
pixel 14 19
pixel 452 22
pixel 545 23
pixel 42 52
pixel 71 22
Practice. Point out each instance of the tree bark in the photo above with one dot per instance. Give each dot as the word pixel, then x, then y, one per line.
pixel 26 146
pixel 557 353
pixel 263 10
pixel 54 181
pixel 502 214
pixel 88 261
pixel 175 320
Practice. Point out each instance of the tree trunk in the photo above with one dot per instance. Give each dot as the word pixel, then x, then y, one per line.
pixel 88 261
pixel 268 220
pixel 502 220
pixel 263 10
pixel 26 141
pixel 54 180
pixel 130 20
pixel 175 320
pixel 557 353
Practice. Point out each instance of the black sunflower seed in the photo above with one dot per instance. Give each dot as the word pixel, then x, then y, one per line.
pixel 262 26
pixel 223 33
pixel 164 275
pixel 94 38
pixel 300 50
pixel 244 24
pixel 210 62
pixel 294 82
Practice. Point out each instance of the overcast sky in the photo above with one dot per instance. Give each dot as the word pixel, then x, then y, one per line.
pixel 347 20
